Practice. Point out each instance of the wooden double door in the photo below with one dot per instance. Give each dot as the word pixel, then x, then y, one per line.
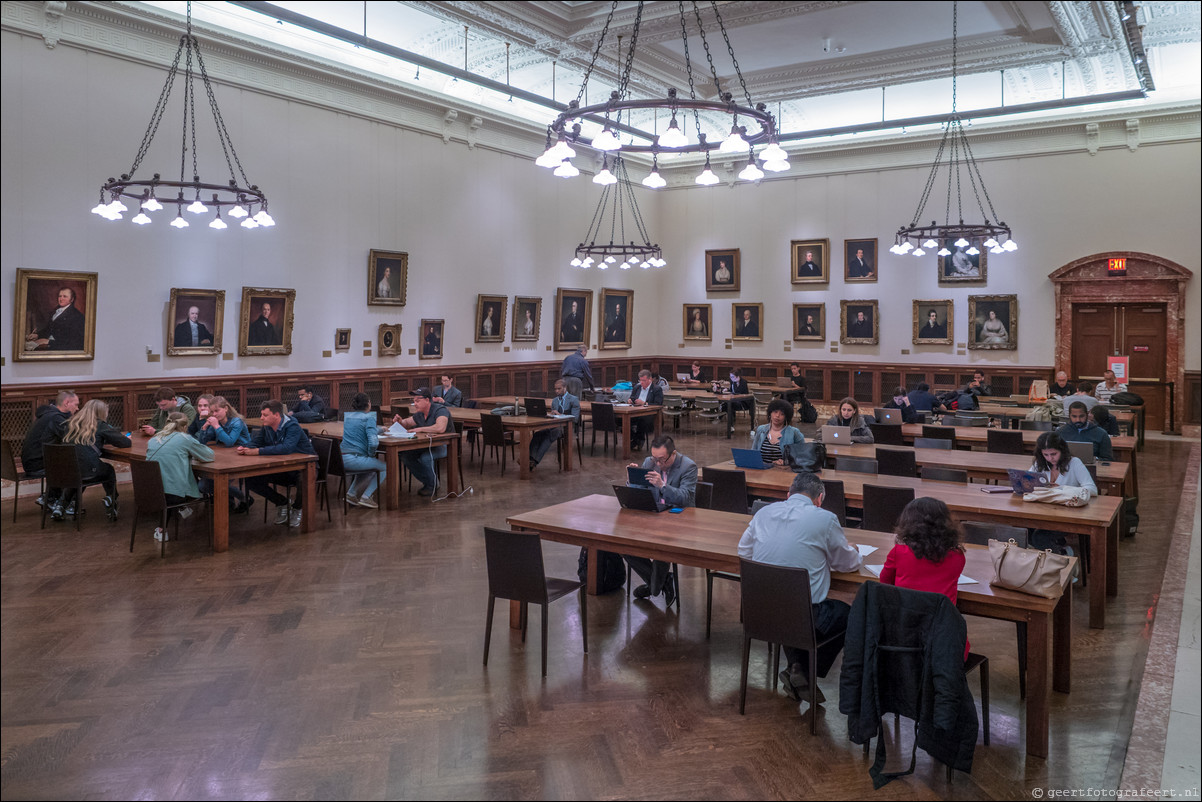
pixel 1135 330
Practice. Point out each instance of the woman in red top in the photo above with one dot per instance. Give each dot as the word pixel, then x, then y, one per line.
pixel 928 555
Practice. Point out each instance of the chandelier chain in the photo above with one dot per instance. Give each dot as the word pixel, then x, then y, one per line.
pixel 223 134
pixel 926 192
pixel 156 116
pixel 189 105
pixel 730 49
pixel 596 53
pixel 708 55
pixel 688 67
pixel 973 168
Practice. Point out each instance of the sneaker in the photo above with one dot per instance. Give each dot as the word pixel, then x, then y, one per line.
pixel 39 501
pixel 110 507
pixel 159 534
pixel 281 514
pixel 56 512
pixel 70 509
pixel 244 505
pixel 426 491
pixel 642 592
pixel 294 519
pixel 352 500
pixel 368 502
pixel 184 513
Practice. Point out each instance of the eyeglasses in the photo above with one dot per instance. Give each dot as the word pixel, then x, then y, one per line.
pixel 664 460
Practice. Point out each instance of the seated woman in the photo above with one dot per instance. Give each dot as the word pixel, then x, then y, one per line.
pixel 928 555
pixel 1105 420
pixel 1054 460
pixel 901 402
pixel 203 410
pixel 225 427
pixel 849 415
pixel 360 439
pixel 772 437
pixel 174 449
pixel 89 431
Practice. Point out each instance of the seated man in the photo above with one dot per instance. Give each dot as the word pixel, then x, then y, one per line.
pixel 974 390
pixel 1080 429
pixel 1061 386
pixel 1109 386
pixel 673 480
pixel 564 403
pixel 448 393
pixel 279 434
pixel 1084 395
pixel 1107 422
pixel 430 417
pixel 645 394
pixel 310 407
pixel 923 400
pixel 798 533
pixel 47 429
pixel 799 381
pixel 167 402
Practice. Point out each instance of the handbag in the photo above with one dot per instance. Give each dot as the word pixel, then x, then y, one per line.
pixel 1057 494
pixel 1039 573
pixel 805 456
pixel 1038 391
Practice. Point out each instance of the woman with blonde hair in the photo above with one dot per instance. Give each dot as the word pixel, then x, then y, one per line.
pixel 89 431
pixel 174 449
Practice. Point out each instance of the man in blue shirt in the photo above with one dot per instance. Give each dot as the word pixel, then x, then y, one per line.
pixel 576 371
pixel 279 434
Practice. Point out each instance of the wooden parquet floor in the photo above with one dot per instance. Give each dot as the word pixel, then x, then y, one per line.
pixel 346 664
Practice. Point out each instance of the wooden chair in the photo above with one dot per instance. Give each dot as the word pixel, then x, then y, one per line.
pixel 835 500
pixel 896 462
pixel 493 435
pixel 515 572
pixel 1036 426
pixel 980 534
pixel 325 447
pixel 605 421
pixel 337 468
pixel 1005 441
pixel 674 408
pixel 762 399
pixel 934 442
pixel 856 464
pixel 62 471
pixel 709 409
pixel 887 434
pixel 704 495
pixel 777 609
pixel 938 473
pixel 884 505
pixel 10 472
pixel 730 490
pixel 939 432
pixel 150 498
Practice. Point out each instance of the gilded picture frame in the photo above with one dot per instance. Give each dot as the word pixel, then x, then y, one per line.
pixel 490 318
pixel 342 339
pixel 616 320
pixel 809 322
pixel 388 339
pixel 860 260
pixel 698 322
pixel 573 318
pixel 993 322
pixel 40 337
pixel 810 261
pixel 209 309
pixel 860 322
pixel 747 322
pixel 432 332
pixel 934 322
pixel 722 271
pixel 266 321
pixel 961 267
pixel 527 319
pixel 387 277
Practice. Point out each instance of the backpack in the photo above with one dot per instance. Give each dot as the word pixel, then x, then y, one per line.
pixel 611 573
pixel 1126 399
pixel 809 412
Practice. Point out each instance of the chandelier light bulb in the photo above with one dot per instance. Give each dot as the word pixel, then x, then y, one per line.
pixel 895 248
pixel 673 137
pixel 576 262
pixel 960 243
pixel 217 222
pixel 566 170
pixel 101 209
pixel 776 166
pixel 944 252
pixel 609 260
pixel 645 265
pixel 151 204
pixel 588 261
pixel 919 252
pixel 1010 245
pixel 602 266
pixel 142 219
pixel 774 152
pixel 973 251
pixel 196 207
pixel 179 221
pixel 733 143
pixel 605 177
pixel 654 180
pixel 707 177
pixel 238 212
pixel 998 249
pixel 625 266
pixel 660 263
pixel 931 244
pixel 264 219
pixel 990 243
pixel 116 208
pixel 606 141
pixel 906 247
pixel 549 158
pixel 250 222
pixel 751 172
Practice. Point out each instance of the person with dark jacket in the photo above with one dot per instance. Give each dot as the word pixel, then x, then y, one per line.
pixel 310 407
pixel 1105 421
pixel 926 682
pixel 923 400
pixel 901 401
pixel 89 431
pixel 279 434
pixel 1080 429
pixel 646 393
pixel 49 424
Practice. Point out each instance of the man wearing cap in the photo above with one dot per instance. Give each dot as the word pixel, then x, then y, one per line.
pixel 430 418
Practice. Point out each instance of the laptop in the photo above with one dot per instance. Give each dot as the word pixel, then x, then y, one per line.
pixel 784 381
pixel 536 407
pixel 1025 481
pixel 748 458
pixel 887 415
pixel 1082 451
pixel 637 498
pixel 835 435
pixel 683 377
pixel 637 476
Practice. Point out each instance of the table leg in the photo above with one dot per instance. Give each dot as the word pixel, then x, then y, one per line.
pixel 1112 555
pixel 310 490
pixel 221 513
pixel 659 422
pixel 1098 571
pixel 525 436
pixel 730 418
pixel 626 436
pixel 1038 692
pixel 1062 642
pixel 569 437
pixel 392 478
pixel 591 582
pixel 454 481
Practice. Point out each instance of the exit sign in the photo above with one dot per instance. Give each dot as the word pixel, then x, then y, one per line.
pixel 1116 267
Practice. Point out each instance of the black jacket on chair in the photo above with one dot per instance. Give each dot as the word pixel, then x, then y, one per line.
pixel 904 653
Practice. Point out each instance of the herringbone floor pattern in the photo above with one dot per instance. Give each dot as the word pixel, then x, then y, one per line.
pixel 346 664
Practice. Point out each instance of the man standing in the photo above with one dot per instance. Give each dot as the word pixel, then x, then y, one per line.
pixel 47 429
pixel 576 371
pixel 430 418
pixel 263 331
pixel 191 333
pixel 564 403
pixel 859 267
pixel 646 394
pixel 1109 386
pixel 798 533
pixel 448 394
pixel 167 402
pixel 673 480
pixel 572 328
pixel 1081 429
pixel 933 330
pixel 310 407
pixel 64 331
pixel 279 434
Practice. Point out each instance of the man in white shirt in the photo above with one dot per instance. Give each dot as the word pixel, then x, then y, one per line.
pixel 1109 386
pixel 798 533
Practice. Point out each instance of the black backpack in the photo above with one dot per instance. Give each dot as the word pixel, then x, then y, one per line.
pixel 1126 399
pixel 611 574
pixel 809 413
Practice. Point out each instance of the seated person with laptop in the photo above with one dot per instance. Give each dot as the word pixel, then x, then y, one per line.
pixel 854 425
pixel 772 437
pixel 1081 429
pixel 564 403
pixel 646 393
pixel 673 480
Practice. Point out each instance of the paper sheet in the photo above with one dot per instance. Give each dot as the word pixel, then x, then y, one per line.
pixel 397 430
pixel 865 550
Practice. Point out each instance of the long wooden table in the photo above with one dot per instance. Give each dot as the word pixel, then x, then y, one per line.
pixel 1113 477
pixel 392 448
pixel 229 465
pixel 524 426
pixel 1013 410
pixel 624 412
pixel 709 539
pixel 1097 520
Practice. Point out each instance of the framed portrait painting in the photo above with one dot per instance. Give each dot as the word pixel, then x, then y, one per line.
pixel 527 315
pixel 432 331
pixel 698 319
pixel 387 277
pixel 859 260
pixel 809 322
pixel 266 326
pixel 859 322
pixel 388 339
pixel 747 322
pixel 811 261
pixel 961 265
pixel 342 339
pixel 722 270
pixel 993 322
pixel 490 318
pixel 573 314
pixel 933 323
pixel 617 315
pixel 194 322
pixel 55 316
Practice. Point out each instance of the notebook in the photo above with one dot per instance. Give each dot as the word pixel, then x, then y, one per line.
pixel 887 415
pixel 637 498
pixel 1025 481
pixel 748 458
pixel 536 407
pixel 835 434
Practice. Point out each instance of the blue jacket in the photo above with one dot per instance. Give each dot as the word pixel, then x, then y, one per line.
pixel 1092 433
pixel 231 433
pixel 576 365
pixel 290 438
pixel 360 437
pixel 788 436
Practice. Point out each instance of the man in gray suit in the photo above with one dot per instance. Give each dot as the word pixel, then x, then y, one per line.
pixel 673 480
